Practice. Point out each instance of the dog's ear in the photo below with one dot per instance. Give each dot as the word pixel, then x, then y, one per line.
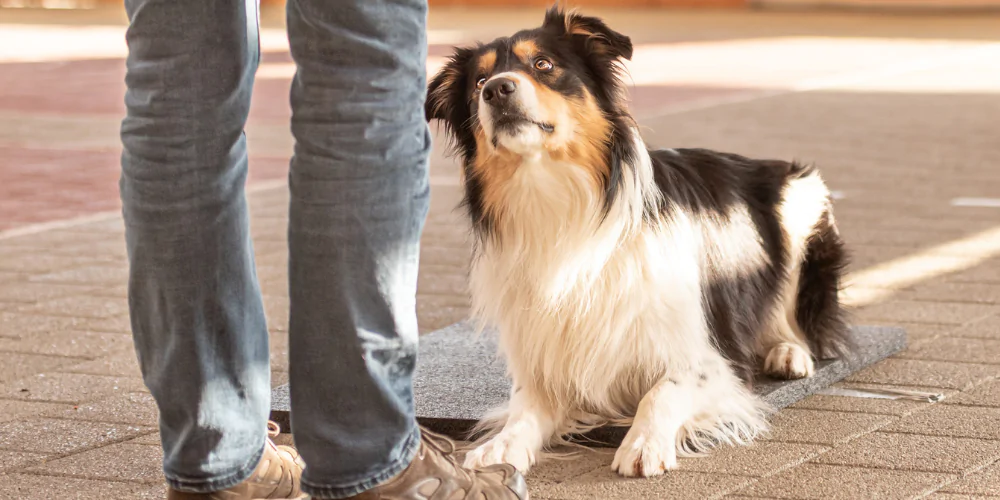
pixel 447 90
pixel 597 37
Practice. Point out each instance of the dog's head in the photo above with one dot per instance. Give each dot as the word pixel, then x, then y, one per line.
pixel 534 90
pixel 554 91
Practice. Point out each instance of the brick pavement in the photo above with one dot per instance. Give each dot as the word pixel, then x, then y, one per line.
pixel 899 111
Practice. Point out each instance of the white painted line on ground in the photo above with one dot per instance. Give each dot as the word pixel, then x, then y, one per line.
pixel 252 188
pixel 58 224
pixel 881 281
pixel 42 227
pixel 976 202
pixel 833 81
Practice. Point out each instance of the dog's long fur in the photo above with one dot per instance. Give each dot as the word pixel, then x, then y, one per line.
pixel 629 285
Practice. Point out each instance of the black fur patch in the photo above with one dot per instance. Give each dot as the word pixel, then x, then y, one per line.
pixel 703 182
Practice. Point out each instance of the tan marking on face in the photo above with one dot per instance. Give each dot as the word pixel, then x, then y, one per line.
pixel 526 50
pixel 580 138
pixel 587 145
pixel 487 61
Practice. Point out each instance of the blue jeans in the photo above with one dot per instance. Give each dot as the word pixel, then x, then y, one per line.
pixel 359 198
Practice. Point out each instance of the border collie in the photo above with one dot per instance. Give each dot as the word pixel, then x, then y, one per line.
pixel 630 286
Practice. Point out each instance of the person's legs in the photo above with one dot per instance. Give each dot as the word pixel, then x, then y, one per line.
pixel 197 316
pixel 359 197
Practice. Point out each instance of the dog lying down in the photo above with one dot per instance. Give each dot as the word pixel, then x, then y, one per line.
pixel 636 286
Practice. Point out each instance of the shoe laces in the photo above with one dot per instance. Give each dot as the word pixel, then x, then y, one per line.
pixel 446 447
pixel 273 429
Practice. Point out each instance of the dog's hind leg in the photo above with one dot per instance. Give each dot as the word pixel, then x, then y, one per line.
pixel 783 346
pixel 530 425
pixel 650 447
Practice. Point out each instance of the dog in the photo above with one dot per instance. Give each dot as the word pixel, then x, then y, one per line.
pixel 630 286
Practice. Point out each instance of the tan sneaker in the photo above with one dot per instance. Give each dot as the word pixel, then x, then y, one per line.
pixel 435 473
pixel 277 476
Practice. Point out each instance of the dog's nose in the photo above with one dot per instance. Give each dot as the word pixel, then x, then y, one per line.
pixel 498 90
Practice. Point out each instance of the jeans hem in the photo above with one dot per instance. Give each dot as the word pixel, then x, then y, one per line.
pixel 360 486
pixel 219 483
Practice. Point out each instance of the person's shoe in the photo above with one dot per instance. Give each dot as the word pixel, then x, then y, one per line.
pixel 435 473
pixel 277 476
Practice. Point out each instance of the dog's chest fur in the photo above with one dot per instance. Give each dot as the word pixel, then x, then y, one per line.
pixel 592 305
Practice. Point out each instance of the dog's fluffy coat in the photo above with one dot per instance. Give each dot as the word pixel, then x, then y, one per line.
pixel 629 285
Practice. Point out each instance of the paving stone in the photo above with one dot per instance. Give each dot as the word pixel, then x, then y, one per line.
pixel 278 377
pixel 136 408
pixel 73 344
pixel 118 324
pixel 918 331
pixel 35 264
pixel 557 470
pixel 881 236
pixel 433 317
pixel 276 311
pixel 118 462
pixel 115 292
pixel 982 293
pixel 279 351
pixel 605 484
pixel 80 306
pixel 11 460
pixel 38 487
pixel 120 364
pixel 957 496
pixel 987 394
pixel 923 373
pixel 25 292
pixel 984 482
pixel 823 427
pixel 153 439
pixel 16 410
pixel 455 284
pixel 980 274
pixel 758 459
pixel 436 259
pixel 68 387
pixel 952 420
pixel 914 452
pixel 264 245
pixel 988 328
pixel 94 275
pixel 14 366
pixel 954 313
pixel 961 350
pixel 56 436
pixel 835 482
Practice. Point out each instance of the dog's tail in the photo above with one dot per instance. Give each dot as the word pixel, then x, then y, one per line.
pixel 818 310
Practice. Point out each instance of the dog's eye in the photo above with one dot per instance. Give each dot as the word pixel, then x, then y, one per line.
pixel 543 64
pixel 480 83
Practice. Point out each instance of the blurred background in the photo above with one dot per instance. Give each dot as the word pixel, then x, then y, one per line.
pixel 897 101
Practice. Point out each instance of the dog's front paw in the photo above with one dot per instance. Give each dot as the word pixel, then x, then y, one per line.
pixel 645 453
pixel 789 361
pixel 502 450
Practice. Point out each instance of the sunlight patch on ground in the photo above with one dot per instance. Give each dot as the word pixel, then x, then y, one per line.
pixel 881 281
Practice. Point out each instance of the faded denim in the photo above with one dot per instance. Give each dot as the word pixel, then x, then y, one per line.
pixel 359 198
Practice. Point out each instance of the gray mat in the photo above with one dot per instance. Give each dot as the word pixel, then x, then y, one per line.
pixel 460 377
